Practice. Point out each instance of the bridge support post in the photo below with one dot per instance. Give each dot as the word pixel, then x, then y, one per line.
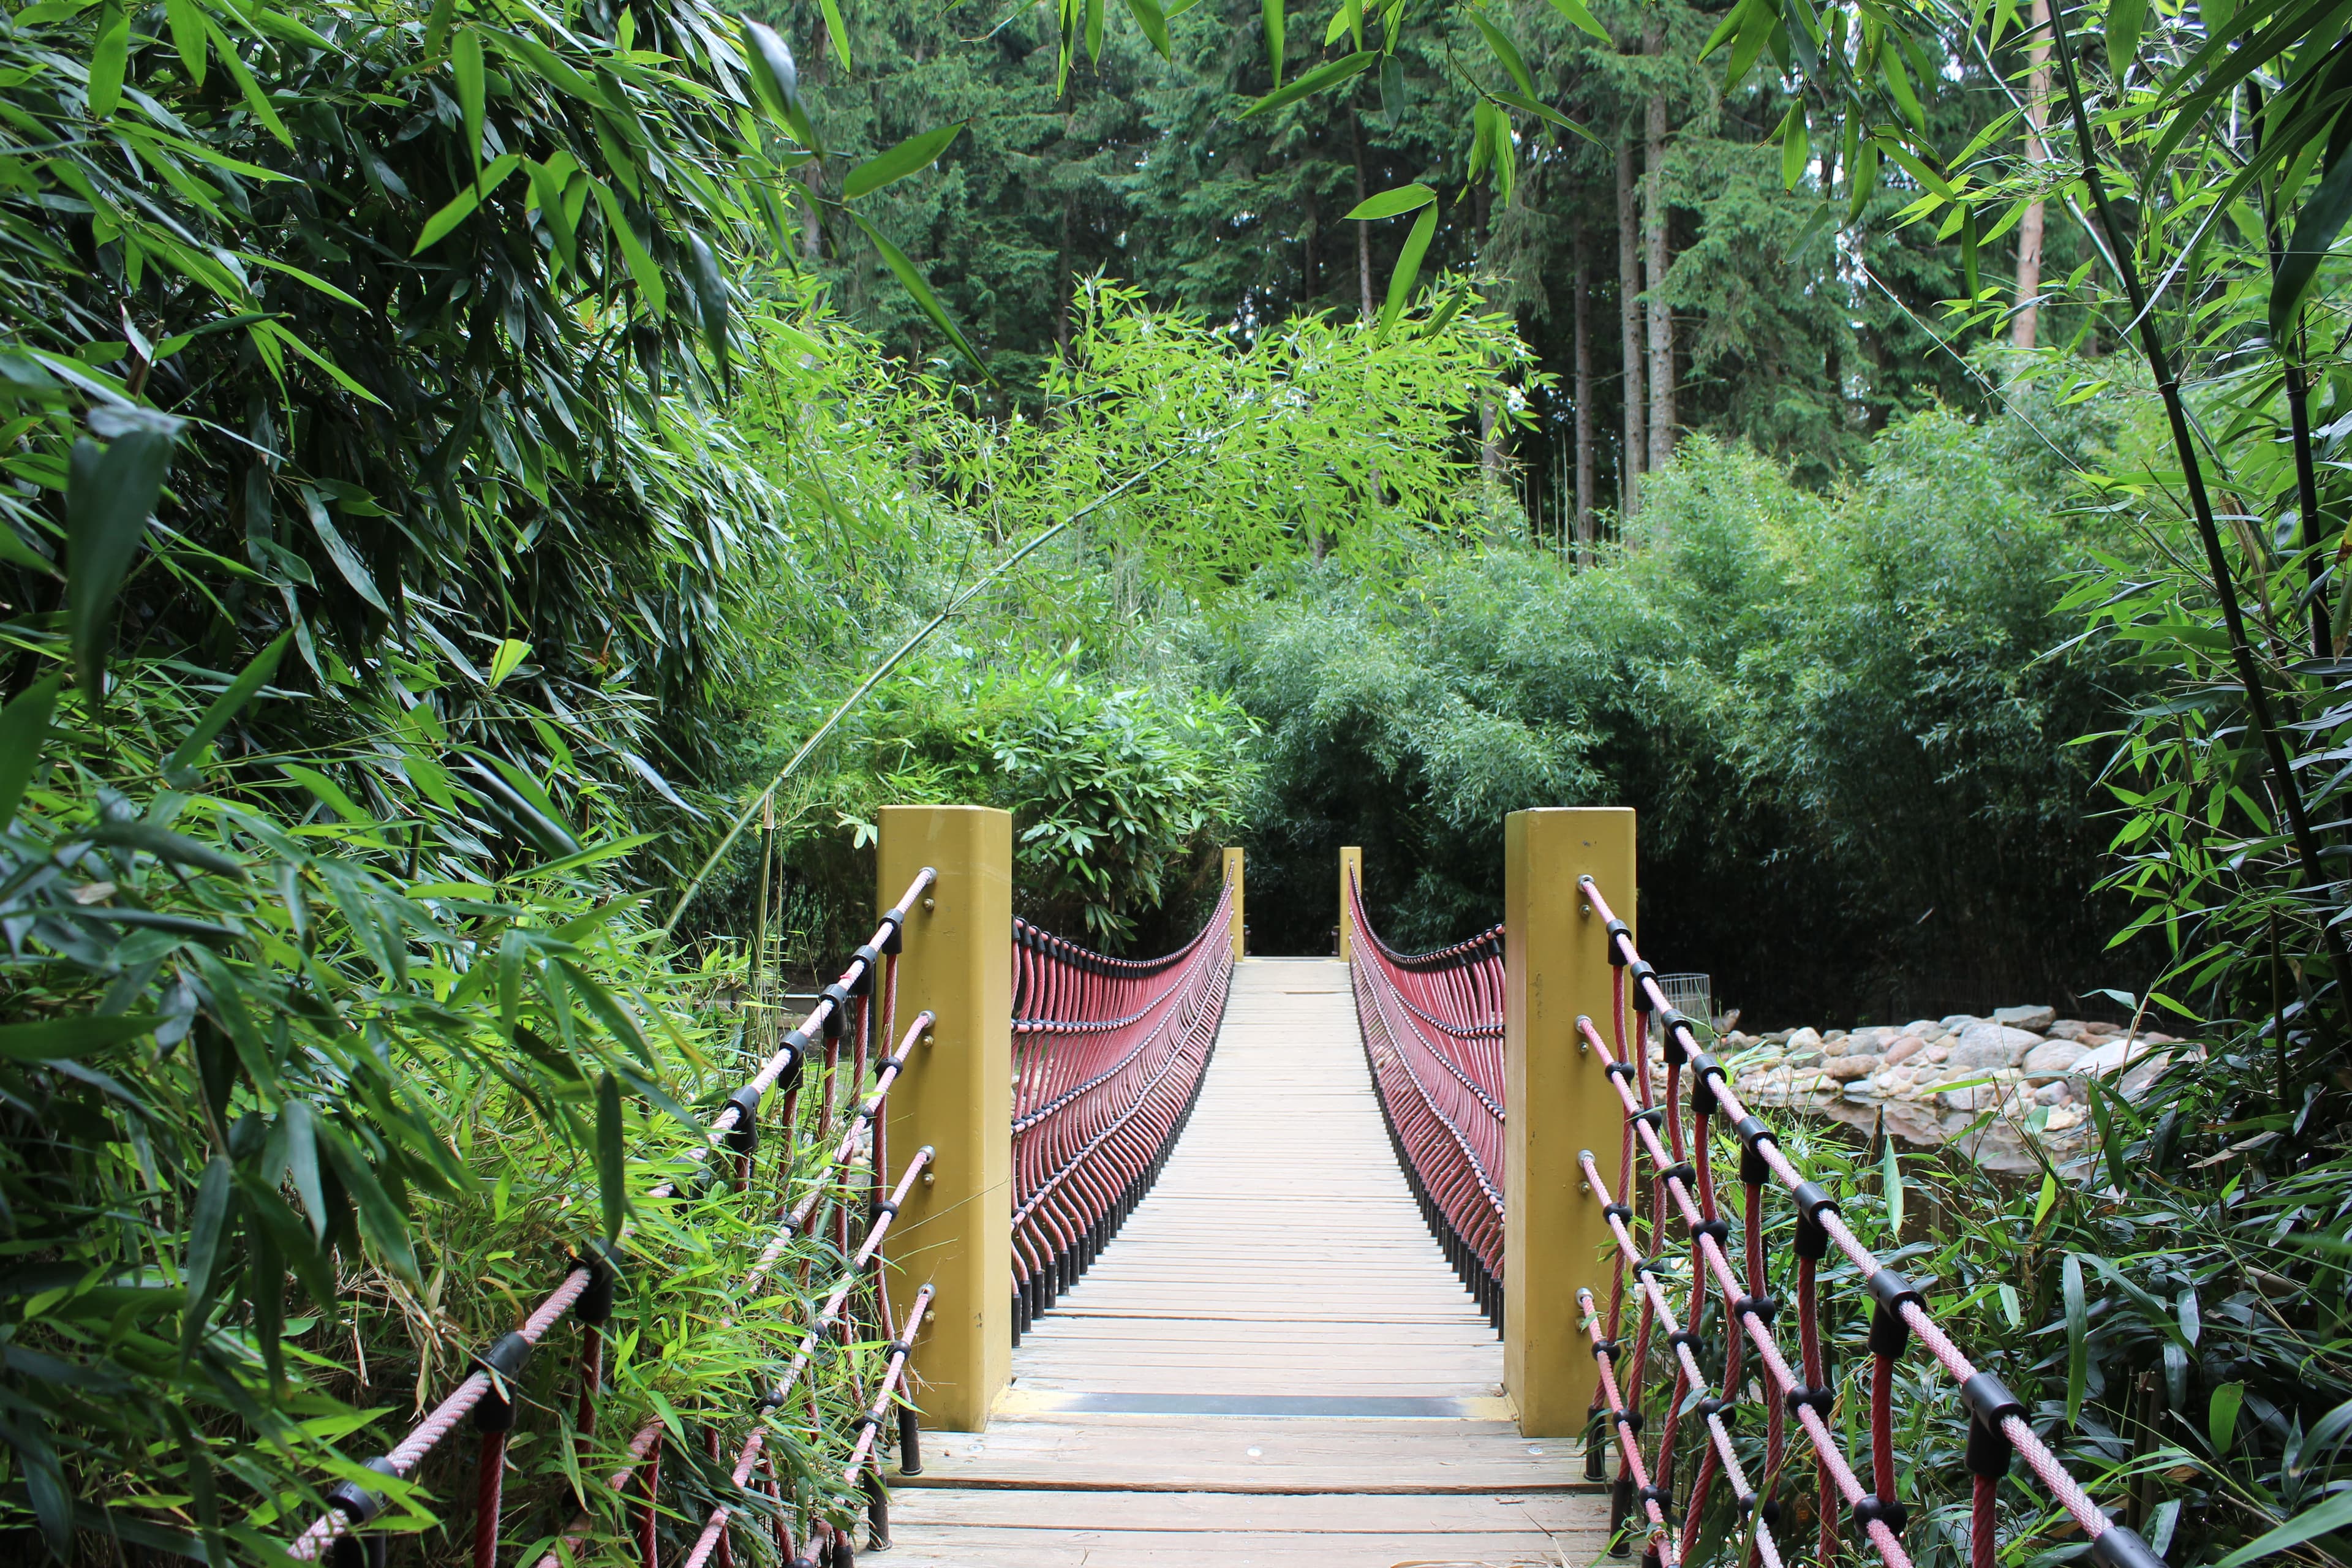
pixel 956 1096
pixel 1351 870
pixel 1235 865
pixel 1556 966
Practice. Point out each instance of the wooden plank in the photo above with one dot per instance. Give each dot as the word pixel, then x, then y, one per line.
pixel 1197 1397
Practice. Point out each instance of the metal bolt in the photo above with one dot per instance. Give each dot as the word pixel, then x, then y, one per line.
pixel 930 1036
pixel 929 1178
pixel 929 904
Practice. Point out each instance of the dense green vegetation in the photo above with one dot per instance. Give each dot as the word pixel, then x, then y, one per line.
pixel 460 457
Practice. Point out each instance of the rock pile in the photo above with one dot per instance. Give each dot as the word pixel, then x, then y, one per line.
pixel 1945 1072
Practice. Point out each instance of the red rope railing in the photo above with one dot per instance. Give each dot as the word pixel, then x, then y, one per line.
pixel 1109 1055
pixel 844 1010
pixel 1432 1029
pixel 1683 1187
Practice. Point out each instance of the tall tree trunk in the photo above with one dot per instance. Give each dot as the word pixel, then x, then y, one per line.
pixel 1310 278
pixel 1662 321
pixel 1833 351
pixel 1062 285
pixel 1363 230
pixel 2023 325
pixel 1583 390
pixel 813 171
pixel 1629 322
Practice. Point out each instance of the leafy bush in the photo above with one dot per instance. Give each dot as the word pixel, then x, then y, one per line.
pixel 1853 712
pixel 1120 794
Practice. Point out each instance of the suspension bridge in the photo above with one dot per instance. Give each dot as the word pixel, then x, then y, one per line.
pixel 1397 1261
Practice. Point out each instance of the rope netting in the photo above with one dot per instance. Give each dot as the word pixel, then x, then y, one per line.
pixel 1681 1159
pixel 1109 1055
pixel 1432 1028
pixel 828 1182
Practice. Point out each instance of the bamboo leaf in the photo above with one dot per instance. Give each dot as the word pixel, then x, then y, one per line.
pixel 1514 63
pixel 920 289
pixel 208 1219
pixel 53 1039
pixel 2326 1517
pixel 507 660
pixel 1314 81
pixel 110 492
pixel 2317 227
pixel 187 25
pixel 24 731
pixel 302 1163
pixel 1890 1182
pixel 642 268
pixel 911 156
pixel 461 205
pixel 108 52
pixel 2078 1336
pixel 2125 19
pixel 612 1157
pixel 466 64
pixel 839 32
pixel 1577 12
pixel 1392 204
pixel 1408 267
pixel 1276 44
pixel 1796 146
pixel 179 768
pixel 2221 1416
pixel 1153 25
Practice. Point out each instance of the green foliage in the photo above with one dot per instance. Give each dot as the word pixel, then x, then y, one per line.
pixel 1121 796
pixel 1783 684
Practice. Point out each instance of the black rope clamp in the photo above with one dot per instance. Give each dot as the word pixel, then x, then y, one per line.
pixel 355 1501
pixel 1870 1509
pixel 1711 1406
pixel 1635 973
pixel 1820 1399
pixel 1755 1170
pixel 1604 1349
pixel 503 1360
pixel 1684 1337
pixel 1763 1309
pixel 1718 1227
pixel 1624 1070
pixel 1680 1172
pixel 1620 937
pixel 1632 1419
pixel 1812 1198
pixel 894 933
pixel 865 961
pixel 1649 1266
pixel 889 1063
pixel 2121 1547
pixel 1617 1210
pixel 1654 1115
pixel 795 1050
pixel 886 1206
pixel 1989 1402
pixel 1706 1074
pixel 744 1136
pixel 897 1347
pixel 1663 1496
pixel 1890 1335
pixel 864 1418
pixel 1813 1241
pixel 1674 1031
pixel 1747 1501
pixel 836 1018
pixel 603 1261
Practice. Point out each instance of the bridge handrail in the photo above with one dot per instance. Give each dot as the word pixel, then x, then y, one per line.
pixel 586 1288
pixel 1997 1422
pixel 1109 1056
pixel 1448 1128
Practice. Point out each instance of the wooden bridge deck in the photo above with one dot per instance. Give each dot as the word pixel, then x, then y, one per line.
pixel 1271 1364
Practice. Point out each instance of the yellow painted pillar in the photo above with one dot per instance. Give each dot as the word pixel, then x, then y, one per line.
pixel 1233 868
pixel 1556 966
pixel 1351 870
pixel 956 1095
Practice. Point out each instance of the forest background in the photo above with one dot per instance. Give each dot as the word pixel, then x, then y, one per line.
pixel 464 461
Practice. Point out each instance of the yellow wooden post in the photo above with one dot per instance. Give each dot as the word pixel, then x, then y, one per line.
pixel 1556 966
pixel 956 1096
pixel 1233 868
pixel 1351 870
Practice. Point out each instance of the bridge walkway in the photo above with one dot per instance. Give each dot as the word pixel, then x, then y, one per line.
pixel 1271 1364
